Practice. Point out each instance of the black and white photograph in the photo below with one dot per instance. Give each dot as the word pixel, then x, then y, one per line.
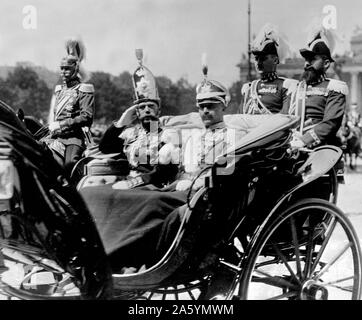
pixel 198 150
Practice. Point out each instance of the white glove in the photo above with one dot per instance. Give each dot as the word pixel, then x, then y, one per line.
pixel 122 185
pixel 169 153
pixel 54 126
pixel 183 185
pixel 297 143
pixel 128 184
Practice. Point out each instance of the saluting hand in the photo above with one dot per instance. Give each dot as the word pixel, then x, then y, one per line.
pixel 127 117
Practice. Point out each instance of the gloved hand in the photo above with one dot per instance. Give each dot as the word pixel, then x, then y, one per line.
pixel 169 153
pixel 54 126
pixel 183 185
pixel 128 183
pixel 297 143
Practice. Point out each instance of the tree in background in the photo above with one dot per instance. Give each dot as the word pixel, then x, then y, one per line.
pixel 25 90
pixel 109 100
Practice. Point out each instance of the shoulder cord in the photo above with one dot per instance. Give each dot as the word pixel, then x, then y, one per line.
pixel 257 106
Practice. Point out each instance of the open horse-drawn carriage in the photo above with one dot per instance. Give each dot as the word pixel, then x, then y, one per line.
pixel 268 230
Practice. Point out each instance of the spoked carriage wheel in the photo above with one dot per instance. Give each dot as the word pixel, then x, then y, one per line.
pixel 310 252
pixel 30 277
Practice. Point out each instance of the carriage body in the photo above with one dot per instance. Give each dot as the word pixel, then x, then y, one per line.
pixel 227 226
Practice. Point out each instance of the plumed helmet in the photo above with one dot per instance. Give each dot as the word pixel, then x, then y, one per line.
pixel 270 40
pixel 144 83
pixel 75 50
pixel 211 91
pixel 321 41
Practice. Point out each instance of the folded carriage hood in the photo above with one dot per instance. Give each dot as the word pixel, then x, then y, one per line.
pixel 52 212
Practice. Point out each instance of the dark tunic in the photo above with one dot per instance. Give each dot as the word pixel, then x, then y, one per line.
pixel 74 109
pixel 325 107
pixel 274 93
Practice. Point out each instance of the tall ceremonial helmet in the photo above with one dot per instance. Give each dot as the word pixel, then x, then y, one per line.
pixel 211 91
pixel 144 83
pixel 75 54
pixel 270 40
pixel 320 41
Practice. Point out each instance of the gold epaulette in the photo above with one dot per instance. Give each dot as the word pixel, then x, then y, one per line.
pixel 86 87
pixel 245 88
pixel 58 87
pixel 337 86
pixel 290 84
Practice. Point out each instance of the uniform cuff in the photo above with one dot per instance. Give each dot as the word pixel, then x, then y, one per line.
pixel 64 124
pixel 311 138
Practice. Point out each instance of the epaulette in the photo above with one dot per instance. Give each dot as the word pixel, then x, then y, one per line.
pixel 245 88
pixel 290 84
pixel 337 86
pixel 58 87
pixel 86 87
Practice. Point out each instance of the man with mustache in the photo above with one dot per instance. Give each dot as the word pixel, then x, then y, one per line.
pixel 72 109
pixel 325 100
pixel 271 93
pixel 201 150
pixel 138 134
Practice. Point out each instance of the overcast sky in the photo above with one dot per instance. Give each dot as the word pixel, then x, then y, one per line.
pixel 173 33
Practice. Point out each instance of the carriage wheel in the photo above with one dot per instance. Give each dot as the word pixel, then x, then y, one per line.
pixel 20 271
pixel 52 283
pixel 309 252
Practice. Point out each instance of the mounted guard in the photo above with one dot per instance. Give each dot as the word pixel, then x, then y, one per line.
pixel 72 110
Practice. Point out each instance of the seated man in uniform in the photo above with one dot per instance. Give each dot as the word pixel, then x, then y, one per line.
pixel 137 136
pixel 202 150
pixel 271 93
pixel 129 218
pixel 325 99
pixel 137 225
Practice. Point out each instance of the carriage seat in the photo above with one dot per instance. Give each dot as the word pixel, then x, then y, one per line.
pixel 262 130
pixel 258 130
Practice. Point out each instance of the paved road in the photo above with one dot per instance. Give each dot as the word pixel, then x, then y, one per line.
pixel 350 197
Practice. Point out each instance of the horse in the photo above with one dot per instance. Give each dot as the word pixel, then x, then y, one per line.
pixel 351 137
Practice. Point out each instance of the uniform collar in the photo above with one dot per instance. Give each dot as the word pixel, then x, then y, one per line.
pixel 319 80
pixel 71 83
pixel 266 77
pixel 219 125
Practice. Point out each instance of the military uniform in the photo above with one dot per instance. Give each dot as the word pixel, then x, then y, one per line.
pixel 140 145
pixel 135 143
pixel 74 109
pixel 273 94
pixel 325 99
pixel 325 107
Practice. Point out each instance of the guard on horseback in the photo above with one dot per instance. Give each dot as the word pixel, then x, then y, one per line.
pixel 72 110
pixel 271 93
